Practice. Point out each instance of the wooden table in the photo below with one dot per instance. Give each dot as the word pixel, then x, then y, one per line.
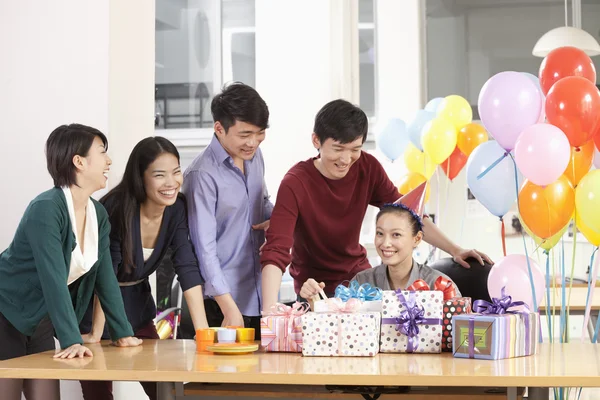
pixel 566 365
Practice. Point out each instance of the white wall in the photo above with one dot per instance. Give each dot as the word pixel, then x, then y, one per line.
pixel 54 71
pixel 71 61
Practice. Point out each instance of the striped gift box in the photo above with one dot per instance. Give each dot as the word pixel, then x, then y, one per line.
pixel 495 336
pixel 281 333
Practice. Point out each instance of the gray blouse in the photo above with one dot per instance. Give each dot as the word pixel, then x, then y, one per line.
pixel 378 276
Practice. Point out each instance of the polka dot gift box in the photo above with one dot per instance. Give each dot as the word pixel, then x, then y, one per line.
pixel 341 334
pixel 411 321
pixel 455 306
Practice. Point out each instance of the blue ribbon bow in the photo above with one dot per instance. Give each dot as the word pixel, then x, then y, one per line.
pixel 364 292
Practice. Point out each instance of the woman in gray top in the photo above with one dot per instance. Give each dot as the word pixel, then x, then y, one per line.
pixel 399 232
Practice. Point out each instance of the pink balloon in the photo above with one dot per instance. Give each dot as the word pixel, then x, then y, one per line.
pixel 542 153
pixel 596 158
pixel 511 272
pixel 508 103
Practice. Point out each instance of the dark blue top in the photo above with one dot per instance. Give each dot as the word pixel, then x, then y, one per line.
pixel 140 306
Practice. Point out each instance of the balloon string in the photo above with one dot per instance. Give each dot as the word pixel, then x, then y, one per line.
pixel 572 263
pixel 437 209
pixel 590 293
pixel 488 169
pixel 533 296
pixel 503 234
pixel 563 315
pixel 548 303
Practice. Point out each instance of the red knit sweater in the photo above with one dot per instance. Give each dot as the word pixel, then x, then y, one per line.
pixel 320 220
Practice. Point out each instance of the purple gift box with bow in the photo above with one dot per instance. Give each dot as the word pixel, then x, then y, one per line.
pixel 498 330
pixel 411 321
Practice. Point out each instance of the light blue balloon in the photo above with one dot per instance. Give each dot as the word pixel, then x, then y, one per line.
pixel 433 104
pixel 415 127
pixel 497 189
pixel 393 139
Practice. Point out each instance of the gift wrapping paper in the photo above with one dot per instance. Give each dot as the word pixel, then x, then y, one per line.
pixel 495 336
pixel 321 306
pixel 281 333
pixel 341 334
pixel 455 306
pixel 411 321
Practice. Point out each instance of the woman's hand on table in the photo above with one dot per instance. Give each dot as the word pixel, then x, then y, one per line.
pixel 76 350
pixel 128 341
pixel 311 289
pixel 90 338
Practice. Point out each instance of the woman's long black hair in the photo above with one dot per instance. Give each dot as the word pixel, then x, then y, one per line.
pixel 124 199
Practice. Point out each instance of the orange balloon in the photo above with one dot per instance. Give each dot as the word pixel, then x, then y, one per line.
pixel 580 162
pixel 471 136
pixel 546 210
pixel 411 181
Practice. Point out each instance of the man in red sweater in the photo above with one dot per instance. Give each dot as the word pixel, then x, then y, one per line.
pixel 321 205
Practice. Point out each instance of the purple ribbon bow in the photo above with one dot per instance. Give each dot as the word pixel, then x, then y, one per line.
pixel 498 306
pixel 409 320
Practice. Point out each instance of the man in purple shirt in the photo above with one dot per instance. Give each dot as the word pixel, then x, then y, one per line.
pixel 229 208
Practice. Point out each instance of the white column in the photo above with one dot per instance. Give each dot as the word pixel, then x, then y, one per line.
pixel 299 54
pixel 400 53
pixel 131 79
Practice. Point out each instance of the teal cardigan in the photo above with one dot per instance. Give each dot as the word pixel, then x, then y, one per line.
pixel 35 268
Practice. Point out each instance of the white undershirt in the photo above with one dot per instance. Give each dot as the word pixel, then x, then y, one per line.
pixel 147 253
pixel 82 261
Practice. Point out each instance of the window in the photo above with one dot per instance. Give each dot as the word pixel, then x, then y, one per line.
pixel 200 45
pixel 468 41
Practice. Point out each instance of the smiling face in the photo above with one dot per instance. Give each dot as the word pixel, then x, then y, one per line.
pixel 394 238
pixel 93 168
pixel 241 139
pixel 336 158
pixel 163 180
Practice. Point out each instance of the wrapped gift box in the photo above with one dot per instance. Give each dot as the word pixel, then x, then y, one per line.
pixel 369 296
pixel 341 334
pixel 411 322
pixel 281 328
pixel 455 306
pixel 495 336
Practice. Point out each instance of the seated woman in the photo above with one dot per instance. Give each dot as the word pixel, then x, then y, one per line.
pixel 59 257
pixel 148 217
pixel 399 232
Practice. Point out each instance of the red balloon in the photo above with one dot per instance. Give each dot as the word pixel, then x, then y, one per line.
pixel 573 105
pixel 454 164
pixel 563 62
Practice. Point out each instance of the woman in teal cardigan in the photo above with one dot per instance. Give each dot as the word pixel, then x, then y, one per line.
pixel 59 257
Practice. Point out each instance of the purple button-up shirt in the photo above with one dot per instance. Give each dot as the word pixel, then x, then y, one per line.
pixel 223 204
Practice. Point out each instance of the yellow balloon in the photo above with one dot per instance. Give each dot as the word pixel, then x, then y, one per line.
pixel 545 244
pixel 419 162
pixel 587 199
pixel 592 236
pixel 439 139
pixel 457 110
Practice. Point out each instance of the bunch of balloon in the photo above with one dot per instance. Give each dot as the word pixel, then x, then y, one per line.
pixel 549 129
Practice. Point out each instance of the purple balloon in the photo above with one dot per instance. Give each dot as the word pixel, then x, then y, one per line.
pixel 512 273
pixel 508 103
pixel 596 158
